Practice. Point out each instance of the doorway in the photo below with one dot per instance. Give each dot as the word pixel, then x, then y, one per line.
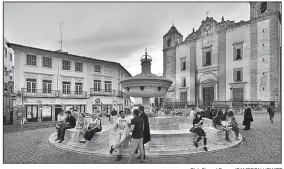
pixel 208 96
pixel 58 109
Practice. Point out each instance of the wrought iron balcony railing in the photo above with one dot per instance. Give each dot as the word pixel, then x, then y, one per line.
pixel 72 94
pixel 39 93
pixel 102 92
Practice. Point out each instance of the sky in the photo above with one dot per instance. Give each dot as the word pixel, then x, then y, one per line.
pixel 117 32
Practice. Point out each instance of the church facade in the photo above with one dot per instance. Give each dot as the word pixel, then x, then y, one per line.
pixel 226 61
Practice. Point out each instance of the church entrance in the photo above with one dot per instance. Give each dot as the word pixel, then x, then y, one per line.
pixel 238 94
pixel 208 95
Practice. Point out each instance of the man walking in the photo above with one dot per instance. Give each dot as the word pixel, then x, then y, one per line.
pixel 137 126
pixel 271 111
pixel 146 131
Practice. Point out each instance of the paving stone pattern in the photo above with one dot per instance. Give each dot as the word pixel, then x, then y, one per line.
pixel 262 145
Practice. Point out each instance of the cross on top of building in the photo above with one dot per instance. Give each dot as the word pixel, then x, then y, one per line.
pixel 207 13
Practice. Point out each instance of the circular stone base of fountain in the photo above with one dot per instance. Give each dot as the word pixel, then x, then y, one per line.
pixel 163 143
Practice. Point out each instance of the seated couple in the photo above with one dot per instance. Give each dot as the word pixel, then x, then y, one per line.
pixel 231 122
pixel 91 128
pixel 69 123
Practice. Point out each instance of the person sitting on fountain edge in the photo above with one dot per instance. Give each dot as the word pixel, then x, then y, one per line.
pixel 122 125
pixel 92 128
pixel 197 124
pixel 70 123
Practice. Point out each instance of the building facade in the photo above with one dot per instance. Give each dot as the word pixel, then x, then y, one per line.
pixel 8 84
pixel 54 80
pixel 226 61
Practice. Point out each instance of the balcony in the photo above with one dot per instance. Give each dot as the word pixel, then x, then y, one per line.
pixel 102 92
pixel 73 95
pixel 39 93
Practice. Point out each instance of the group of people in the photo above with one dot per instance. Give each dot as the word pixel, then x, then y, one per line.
pixel 139 127
pixel 71 119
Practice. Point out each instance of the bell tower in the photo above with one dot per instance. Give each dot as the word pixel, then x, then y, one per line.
pixel 170 41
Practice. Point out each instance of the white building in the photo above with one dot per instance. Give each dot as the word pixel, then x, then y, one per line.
pixel 8 83
pixel 227 61
pixel 51 80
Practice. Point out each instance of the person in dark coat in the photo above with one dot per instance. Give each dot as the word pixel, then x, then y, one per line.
pixel 197 124
pixel 146 131
pixel 271 111
pixel 247 118
pixel 208 113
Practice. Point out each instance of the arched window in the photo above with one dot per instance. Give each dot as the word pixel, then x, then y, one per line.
pixel 263 7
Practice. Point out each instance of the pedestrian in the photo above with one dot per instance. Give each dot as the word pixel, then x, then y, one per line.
pixel 271 110
pixel 70 123
pixel 207 113
pixel 113 113
pixel 122 126
pixel 197 128
pixel 91 128
pixel 137 127
pixel 192 112
pixel 247 118
pixel 146 131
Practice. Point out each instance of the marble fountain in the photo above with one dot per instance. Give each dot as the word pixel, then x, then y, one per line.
pixel 170 135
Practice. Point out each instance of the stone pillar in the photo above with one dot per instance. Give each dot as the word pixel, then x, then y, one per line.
pixel 146 104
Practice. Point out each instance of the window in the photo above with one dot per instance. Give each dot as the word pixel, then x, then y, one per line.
pixel 178 40
pixel 78 67
pixel 5 52
pixel 238 51
pixel 207 58
pixel 183 64
pixel 46 86
pixel 31 85
pixel 263 7
pixel 78 88
pixel 238 74
pixel 183 82
pixel 66 65
pixel 11 57
pixel 108 86
pixel 97 68
pixel 31 60
pixel 97 85
pixel 238 54
pixel 47 62
pixel 66 87
pixel 169 42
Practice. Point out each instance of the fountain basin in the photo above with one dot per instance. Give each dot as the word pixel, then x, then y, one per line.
pixel 163 123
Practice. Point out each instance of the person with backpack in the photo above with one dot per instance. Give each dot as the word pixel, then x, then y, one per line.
pixel 247 118
pixel 271 111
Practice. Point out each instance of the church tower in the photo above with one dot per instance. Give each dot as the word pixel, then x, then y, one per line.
pixel 170 41
pixel 265 45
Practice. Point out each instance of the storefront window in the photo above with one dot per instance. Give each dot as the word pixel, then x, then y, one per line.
pixel 32 113
pixel 46 113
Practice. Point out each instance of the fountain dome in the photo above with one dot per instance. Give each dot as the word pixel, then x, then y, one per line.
pixel 146 84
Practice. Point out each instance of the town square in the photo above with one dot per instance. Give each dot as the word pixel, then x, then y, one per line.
pixel 142 83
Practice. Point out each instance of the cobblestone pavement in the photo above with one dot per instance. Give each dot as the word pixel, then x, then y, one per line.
pixel 262 145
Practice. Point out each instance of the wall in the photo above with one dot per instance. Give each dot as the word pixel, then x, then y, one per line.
pixel 232 36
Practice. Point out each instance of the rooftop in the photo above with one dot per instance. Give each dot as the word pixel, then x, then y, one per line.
pixel 13 45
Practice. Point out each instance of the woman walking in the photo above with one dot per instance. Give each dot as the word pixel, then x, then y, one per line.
pixel 197 128
pixel 247 118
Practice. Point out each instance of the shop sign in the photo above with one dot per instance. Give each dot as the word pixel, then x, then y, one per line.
pixel 97 100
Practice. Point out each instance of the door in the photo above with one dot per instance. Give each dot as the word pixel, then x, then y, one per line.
pixel 11 117
pixel 238 97
pixel 32 113
pixel 183 97
pixel 57 111
pixel 208 96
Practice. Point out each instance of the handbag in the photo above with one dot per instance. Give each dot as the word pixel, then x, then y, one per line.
pixel 192 129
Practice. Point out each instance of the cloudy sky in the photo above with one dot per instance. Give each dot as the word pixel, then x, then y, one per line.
pixel 111 31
